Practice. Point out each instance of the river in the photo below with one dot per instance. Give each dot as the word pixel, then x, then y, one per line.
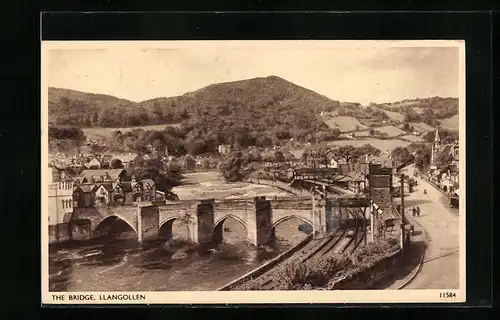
pixel 118 263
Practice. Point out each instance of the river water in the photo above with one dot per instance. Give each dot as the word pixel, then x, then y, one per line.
pixel 118 263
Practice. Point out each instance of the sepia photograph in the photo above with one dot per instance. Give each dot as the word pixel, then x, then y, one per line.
pixel 318 171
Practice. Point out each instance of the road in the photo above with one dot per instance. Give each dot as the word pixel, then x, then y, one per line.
pixel 440 268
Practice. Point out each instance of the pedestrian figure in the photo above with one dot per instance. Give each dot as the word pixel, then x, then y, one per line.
pixel 414 211
pixel 418 211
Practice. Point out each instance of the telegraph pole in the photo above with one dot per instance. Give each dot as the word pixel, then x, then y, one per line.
pixel 402 211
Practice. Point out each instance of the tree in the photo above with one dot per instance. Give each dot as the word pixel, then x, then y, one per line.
pixel 165 177
pixel 422 154
pixel 411 115
pixel 95 118
pixel 400 155
pixel 231 167
pixel 158 145
pixel 279 156
pixel 407 127
pixel 254 155
pixel 88 122
pixel 444 159
pixel 347 152
pixel 189 162
pixel 116 164
pixel 369 150
pixel 289 156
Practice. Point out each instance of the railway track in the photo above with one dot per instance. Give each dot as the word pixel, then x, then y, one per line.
pixel 336 243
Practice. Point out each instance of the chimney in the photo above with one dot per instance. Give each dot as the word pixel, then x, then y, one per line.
pixel 55 174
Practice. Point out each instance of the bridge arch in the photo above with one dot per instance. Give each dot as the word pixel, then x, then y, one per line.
pixel 277 222
pixel 165 229
pixel 218 227
pixel 299 227
pixel 114 217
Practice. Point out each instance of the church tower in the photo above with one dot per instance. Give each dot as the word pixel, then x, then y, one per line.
pixel 436 147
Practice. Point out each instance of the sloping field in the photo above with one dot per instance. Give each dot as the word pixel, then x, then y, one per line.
pixel 364 133
pixel 418 110
pixel 403 104
pixel 451 123
pixel 382 145
pixel 395 116
pixel 422 127
pixel 345 124
pixel 392 131
pixel 98 133
pixel 412 138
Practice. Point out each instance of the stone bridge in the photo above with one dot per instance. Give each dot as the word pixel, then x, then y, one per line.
pixel 205 218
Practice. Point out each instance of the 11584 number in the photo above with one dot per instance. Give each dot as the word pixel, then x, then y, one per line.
pixel 447 295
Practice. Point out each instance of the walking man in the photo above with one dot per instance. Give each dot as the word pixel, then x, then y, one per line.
pixel 414 211
pixel 418 211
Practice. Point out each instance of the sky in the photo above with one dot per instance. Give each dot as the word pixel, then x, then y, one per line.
pixel 345 73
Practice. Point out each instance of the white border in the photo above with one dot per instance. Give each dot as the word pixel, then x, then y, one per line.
pixel 253 297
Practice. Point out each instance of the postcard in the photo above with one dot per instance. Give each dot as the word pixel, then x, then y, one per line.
pixel 229 172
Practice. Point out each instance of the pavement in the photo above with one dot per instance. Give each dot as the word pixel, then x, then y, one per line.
pixel 440 267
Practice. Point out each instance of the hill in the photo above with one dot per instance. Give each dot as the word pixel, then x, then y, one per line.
pixel 426 110
pixel 260 112
pixel 255 112
pixel 69 107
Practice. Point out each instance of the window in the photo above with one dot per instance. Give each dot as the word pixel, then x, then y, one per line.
pixel 62 203
pixel 69 203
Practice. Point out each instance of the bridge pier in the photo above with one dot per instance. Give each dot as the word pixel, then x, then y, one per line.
pixel 319 214
pixel 204 222
pixel 148 219
pixel 60 232
pixel 259 226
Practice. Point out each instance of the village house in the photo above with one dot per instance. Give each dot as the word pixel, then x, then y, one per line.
pixel 103 175
pixel 125 192
pixel 354 176
pixel 94 163
pixel 83 196
pixel 131 160
pixel 111 186
pixel 333 163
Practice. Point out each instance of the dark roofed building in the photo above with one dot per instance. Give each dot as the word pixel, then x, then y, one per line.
pixel 149 189
pixel 104 175
pixel 83 196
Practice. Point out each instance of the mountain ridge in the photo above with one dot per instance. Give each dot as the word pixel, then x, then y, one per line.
pixel 83 109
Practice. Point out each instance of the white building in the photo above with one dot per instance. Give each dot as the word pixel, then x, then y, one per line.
pixel 223 149
pixel 60 196
pixel 333 163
